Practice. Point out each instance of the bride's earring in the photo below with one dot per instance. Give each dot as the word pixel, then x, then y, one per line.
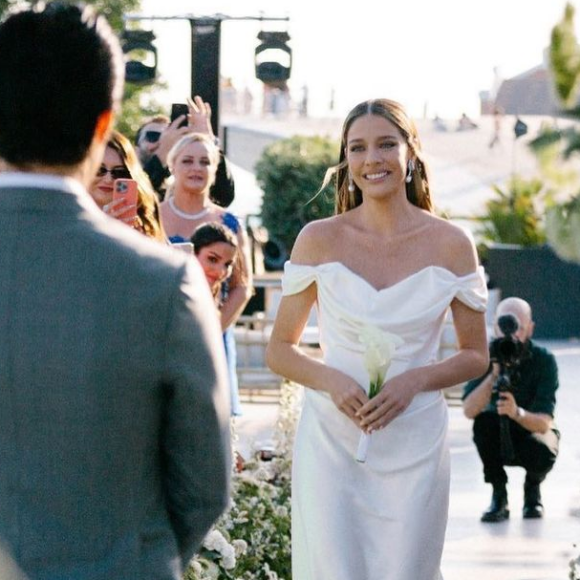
pixel 410 169
pixel 350 183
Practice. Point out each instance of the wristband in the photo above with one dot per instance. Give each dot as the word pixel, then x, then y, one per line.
pixel 521 413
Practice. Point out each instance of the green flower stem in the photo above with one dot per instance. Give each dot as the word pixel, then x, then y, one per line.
pixel 375 388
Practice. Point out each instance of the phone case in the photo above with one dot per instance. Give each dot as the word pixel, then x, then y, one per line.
pixel 126 189
pixel 178 109
pixel 186 247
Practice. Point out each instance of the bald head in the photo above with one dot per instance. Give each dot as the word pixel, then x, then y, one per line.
pixel 522 311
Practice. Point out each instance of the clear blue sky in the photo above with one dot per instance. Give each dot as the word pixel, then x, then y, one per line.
pixel 428 54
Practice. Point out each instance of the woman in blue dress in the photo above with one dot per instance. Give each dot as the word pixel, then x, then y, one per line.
pixel 193 162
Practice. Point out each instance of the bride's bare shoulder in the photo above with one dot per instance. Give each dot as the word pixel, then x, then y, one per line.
pixel 456 245
pixel 314 242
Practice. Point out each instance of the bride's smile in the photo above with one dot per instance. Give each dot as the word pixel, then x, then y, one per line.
pixel 377 156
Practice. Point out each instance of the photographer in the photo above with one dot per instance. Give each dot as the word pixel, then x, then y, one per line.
pixel 519 390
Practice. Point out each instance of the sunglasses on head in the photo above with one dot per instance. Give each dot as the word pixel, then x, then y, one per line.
pixel 116 172
pixel 152 136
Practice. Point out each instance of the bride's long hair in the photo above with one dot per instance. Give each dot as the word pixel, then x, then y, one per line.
pixel 418 190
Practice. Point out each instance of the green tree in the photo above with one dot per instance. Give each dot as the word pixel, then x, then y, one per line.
pixel 113 10
pixel 565 58
pixel 291 172
pixel 556 147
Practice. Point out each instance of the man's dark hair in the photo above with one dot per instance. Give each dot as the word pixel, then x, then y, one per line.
pixel 60 68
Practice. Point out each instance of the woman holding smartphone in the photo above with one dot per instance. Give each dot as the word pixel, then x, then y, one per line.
pixel 120 162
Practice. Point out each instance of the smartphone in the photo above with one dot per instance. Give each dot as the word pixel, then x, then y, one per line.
pixel 186 247
pixel 126 189
pixel 178 109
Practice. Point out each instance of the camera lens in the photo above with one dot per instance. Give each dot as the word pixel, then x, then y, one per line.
pixel 508 324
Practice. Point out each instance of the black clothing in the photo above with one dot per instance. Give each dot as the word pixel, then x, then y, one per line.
pixel 533 507
pixel 534 391
pixel 222 192
pixel 535 452
pixel 498 510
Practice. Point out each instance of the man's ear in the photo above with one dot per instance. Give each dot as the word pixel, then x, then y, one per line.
pixel 104 125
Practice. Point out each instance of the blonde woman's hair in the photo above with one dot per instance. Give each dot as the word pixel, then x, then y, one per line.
pixel 418 190
pixel 213 150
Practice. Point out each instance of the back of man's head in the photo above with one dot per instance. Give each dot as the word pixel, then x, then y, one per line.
pixel 61 67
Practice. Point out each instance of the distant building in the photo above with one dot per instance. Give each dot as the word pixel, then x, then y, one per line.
pixel 529 93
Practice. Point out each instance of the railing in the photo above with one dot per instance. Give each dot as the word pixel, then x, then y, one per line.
pixel 254 377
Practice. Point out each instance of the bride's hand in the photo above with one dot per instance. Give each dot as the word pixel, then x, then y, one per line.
pixel 349 397
pixel 395 396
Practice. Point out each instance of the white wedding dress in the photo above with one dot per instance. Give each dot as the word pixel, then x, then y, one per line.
pixel 384 519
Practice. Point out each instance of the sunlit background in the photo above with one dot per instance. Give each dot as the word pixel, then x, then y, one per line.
pixel 435 57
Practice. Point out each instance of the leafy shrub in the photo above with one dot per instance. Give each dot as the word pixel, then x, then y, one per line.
pixel 563 229
pixel 513 215
pixel 290 172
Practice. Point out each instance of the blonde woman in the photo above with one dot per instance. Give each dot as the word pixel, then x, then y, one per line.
pixel 193 162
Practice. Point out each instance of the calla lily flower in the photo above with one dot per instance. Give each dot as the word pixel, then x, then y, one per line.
pixel 380 347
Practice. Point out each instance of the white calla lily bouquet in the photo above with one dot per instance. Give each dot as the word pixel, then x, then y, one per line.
pixel 380 347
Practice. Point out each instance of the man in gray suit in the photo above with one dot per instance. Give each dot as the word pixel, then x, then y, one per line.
pixel 114 436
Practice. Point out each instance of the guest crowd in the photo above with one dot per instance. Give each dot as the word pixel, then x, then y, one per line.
pixel 183 188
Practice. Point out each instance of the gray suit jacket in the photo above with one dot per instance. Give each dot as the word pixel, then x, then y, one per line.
pixel 114 418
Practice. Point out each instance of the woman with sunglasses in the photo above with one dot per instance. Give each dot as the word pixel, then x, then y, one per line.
pixel 120 162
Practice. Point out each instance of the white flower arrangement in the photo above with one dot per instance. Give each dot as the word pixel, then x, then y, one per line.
pixel 252 540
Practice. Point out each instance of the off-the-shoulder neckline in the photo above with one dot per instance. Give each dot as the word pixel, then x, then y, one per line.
pixel 390 287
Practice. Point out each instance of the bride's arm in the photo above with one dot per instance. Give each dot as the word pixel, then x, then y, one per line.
pixel 471 359
pixel 284 356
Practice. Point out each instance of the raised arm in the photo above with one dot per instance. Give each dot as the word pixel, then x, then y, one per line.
pixel 222 191
pixel 240 284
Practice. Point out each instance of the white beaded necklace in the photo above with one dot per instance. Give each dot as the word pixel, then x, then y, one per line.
pixel 185 215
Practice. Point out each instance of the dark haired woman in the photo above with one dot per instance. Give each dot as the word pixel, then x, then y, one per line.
pixel 216 248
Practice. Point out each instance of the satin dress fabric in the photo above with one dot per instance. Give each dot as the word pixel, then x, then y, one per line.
pixel 384 519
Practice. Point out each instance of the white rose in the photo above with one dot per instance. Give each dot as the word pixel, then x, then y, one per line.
pixel 215 541
pixel 197 569
pixel 240 547
pixel 229 557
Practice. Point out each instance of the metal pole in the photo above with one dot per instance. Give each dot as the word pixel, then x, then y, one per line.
pixel 205 53
pixel 205 64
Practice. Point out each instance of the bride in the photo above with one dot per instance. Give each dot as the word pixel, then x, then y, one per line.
pixel 384 264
